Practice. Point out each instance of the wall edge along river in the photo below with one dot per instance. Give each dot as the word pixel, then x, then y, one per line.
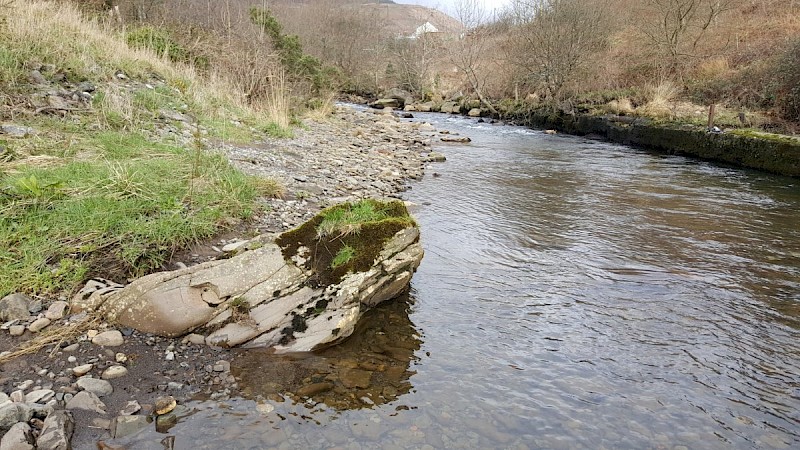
pixel 779 155
pixel 771 153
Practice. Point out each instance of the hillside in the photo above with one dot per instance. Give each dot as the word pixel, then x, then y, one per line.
pixel 106 165
pixel 403 20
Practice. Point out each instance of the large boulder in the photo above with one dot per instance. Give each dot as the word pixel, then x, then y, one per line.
pixel 394 98
pixel 450 108
pixel 401 95
pixel 306 289
pixel 382 103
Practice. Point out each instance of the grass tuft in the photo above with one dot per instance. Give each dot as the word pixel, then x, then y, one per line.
pixel 363 226
pixel 660 99
pixel 343 256
pixel 349 218
pixel 273 129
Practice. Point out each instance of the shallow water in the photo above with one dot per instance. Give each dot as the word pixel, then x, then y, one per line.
pixel 574 294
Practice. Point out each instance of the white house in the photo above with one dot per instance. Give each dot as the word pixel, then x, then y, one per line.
pixel 426 27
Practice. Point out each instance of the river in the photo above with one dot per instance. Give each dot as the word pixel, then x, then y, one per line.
pixel 574 294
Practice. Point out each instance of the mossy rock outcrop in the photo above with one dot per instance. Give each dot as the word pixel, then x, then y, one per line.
pixel 344 239
pixel 306 290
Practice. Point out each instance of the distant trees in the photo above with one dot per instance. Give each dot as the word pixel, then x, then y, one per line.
pixel 299 65
pixel 469 53
pixel 348 38
pixel 552 40
pixel 411 62
pixel 727 52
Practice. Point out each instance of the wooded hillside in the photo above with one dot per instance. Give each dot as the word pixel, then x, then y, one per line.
pixel 663 58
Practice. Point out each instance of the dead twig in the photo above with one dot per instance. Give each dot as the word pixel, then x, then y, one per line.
pixel 55 336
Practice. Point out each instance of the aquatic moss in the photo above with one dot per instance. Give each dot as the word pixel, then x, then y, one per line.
pixel 753 134
pixel 365 237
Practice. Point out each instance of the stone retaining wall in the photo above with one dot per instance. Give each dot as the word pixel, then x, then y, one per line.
pixel 777 155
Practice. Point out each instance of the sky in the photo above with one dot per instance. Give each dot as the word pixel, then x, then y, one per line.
pixel 448 5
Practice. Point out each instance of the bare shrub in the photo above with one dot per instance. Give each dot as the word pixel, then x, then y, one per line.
pixel 552 45
pixel 788 80
pixel 677 28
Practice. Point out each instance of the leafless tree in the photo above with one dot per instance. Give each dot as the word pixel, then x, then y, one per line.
pixel 676 28
pixel 554 40
pixel 469 52
pixel 411 61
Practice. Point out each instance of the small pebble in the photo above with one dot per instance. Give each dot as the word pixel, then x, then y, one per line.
pixel 82 370
pixel 114 372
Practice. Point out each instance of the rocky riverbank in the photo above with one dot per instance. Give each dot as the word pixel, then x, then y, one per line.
pixel 111 381
pixel 775 153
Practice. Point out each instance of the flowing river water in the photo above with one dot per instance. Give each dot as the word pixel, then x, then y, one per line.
pixel 574 294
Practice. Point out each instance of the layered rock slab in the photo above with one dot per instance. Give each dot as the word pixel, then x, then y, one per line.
pixel 287 294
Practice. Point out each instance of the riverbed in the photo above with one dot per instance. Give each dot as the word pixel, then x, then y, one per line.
pixel 574 294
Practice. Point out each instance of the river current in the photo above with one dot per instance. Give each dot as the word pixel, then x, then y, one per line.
pixel 574 294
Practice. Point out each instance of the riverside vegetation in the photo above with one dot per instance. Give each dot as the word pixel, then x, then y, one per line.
pixel 689 64
pixel 105 153
pixel 122 155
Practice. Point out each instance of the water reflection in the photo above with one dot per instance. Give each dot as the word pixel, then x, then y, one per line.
pixel 284 394
pixel 370 368
pixel 573 294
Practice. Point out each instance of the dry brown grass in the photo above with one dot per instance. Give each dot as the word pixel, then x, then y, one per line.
pixel 278 101
pixel 712 68
pixel 324 109
pixel 58 33
pixel 53 337
pixel 621 106
pixel 660 99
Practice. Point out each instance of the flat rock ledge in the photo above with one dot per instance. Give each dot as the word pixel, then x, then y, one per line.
pixel 277 295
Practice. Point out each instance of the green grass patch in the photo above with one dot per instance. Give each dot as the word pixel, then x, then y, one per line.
pixel 115 145
pixel 160 41
pixel 227 130
pixel 357 233
pixel 153 99
pixel 343 256
pixel 274 130
pixel 778 138
pixel 348 218
pixel 10 66
pixel 121 214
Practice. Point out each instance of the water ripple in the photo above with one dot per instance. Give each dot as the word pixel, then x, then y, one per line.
pixel 621 287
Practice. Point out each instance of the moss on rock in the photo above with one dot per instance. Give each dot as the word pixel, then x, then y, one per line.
pixel 366 238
